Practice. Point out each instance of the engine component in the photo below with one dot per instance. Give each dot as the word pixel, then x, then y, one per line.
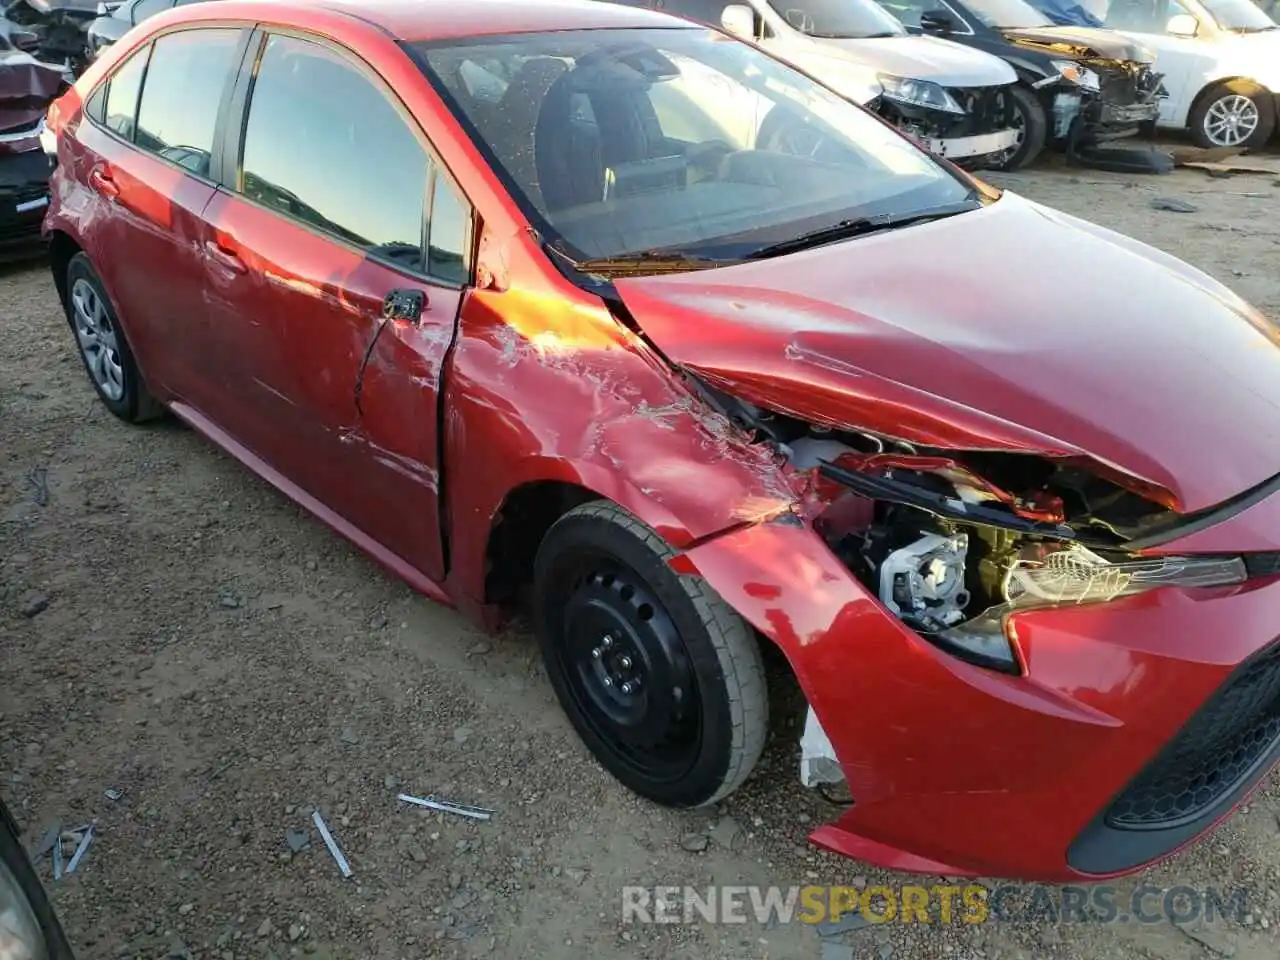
pixel 923 583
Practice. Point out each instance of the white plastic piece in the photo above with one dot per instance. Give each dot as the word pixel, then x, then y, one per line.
pixel 818 763
pixel 808 451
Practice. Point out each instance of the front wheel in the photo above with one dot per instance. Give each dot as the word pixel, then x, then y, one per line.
pixel 1030 122
pixel 660 677
pixel 1233 114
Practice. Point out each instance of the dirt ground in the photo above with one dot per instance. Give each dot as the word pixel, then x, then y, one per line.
pixel 229 664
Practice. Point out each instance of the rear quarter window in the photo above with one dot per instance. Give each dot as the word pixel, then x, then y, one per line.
pixel 121 100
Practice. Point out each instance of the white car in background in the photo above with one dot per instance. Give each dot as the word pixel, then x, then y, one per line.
pixel 954 100
pixel 1220 60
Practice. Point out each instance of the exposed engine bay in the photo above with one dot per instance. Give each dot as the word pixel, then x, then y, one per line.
pixel 952 542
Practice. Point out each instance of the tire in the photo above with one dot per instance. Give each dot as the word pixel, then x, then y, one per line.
pixel 1239 97
pixel 100 340
pixel 1029 117
pixel 18 881
pixel 612 614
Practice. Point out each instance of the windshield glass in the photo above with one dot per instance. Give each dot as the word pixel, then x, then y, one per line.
pixel 838 19
pixel 626 142
pixel 1238 15
pixel 1008 13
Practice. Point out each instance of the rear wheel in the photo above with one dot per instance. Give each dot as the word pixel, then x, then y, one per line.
pixel 108 360
pixel 1236 113
pixel 661 679
pixel 1032 126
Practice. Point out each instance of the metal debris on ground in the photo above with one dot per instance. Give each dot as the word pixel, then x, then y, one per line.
pixel 853 920
pixel 297 840
pixel 446 806
pixel 1173 205
pixel 329 842
pixel 47 841
pixel 80 850
pixel 38 478
pixel 113 793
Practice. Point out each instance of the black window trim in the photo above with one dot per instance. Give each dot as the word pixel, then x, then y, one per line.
pixel 232 155
pixel 219 127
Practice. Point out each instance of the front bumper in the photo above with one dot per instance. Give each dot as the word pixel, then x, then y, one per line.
pixel 24 198
pixel 966 148
pixel 961 771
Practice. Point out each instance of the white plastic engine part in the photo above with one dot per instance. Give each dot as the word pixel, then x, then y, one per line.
pixel 818 763
pixel 923 583
pixel 806 452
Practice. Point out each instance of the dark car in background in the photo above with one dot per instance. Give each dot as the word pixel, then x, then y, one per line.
pixel 1079 88
pixel 29 930
pixel 116 22
pixel 27 87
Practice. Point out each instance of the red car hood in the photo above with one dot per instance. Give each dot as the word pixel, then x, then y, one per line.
pixel 1015 327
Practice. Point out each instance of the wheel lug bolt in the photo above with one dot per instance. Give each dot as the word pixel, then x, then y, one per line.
pixel 626 663
pixel 595 654
pixel 608 681
pixel 626 688
pixel 607 642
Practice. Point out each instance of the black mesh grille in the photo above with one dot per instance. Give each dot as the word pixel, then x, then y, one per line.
pixel 1224 743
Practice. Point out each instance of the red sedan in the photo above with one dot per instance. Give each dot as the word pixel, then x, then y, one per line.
pixel 588 304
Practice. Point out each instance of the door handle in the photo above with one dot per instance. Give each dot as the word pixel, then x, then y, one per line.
pixel 100 179
pixel 224 257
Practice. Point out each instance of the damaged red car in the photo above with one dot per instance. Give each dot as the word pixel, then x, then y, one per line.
pixel 583 303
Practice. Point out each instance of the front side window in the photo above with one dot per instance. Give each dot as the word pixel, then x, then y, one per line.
pixel 626 141
pixel 1008 13
pixel 704 11
pixel 838 19
pixel 188 73
pixel 122 94
pixel 148 8
pixel 1239 16
pixel 324 145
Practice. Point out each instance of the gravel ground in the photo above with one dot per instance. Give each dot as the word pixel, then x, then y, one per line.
pixel 230 665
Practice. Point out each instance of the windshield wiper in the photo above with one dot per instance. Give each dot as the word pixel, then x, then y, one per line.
pixel 860 225
pixel 649 262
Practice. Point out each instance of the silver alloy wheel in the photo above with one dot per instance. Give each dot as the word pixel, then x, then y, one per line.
pixel 97 338
pixel 1231 120
pixel 20 934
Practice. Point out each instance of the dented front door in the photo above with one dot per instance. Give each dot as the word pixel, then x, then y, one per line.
pixel 296 318
pixel 331 318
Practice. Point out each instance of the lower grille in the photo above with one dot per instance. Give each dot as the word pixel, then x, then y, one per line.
pixel 1226 742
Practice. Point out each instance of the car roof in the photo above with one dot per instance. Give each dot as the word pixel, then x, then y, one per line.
pixel 419 20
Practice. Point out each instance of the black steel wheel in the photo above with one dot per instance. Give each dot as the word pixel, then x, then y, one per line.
pixel 661 679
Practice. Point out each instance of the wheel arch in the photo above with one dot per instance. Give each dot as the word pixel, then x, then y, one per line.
pixel 62 247
pixel 542 491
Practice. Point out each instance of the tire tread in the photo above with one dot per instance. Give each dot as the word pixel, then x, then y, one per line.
pixel 734 641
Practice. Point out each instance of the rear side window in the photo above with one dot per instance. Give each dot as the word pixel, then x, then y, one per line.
pixel 122 94
pixel 343 160
pixel 184 85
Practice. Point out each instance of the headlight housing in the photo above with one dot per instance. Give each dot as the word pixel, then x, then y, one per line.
pixel 1071 576
pixel 919 93
pixel 1082 77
